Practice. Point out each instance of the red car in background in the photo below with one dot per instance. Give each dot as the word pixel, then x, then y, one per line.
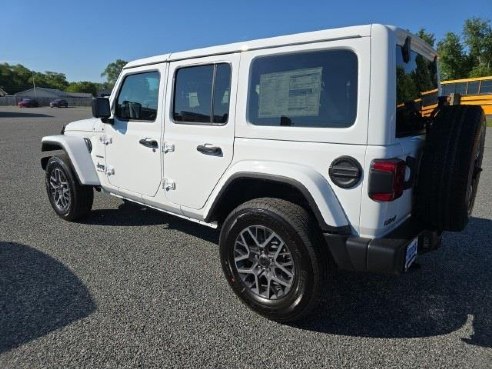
pixel 28 103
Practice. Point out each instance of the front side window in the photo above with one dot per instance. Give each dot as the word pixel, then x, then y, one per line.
pixel 138 97
pixel 202 94
pixel 305 89
pixel 416 92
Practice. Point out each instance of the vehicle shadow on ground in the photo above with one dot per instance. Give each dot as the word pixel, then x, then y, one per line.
pixel 38 294
pixel 13 114
pixel 131 214
pixel 451 290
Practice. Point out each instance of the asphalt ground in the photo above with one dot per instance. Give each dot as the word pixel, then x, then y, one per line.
pixel 131 287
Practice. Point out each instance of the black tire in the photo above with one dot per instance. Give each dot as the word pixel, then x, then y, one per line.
pixel 298 230
pixel 77 199
pixel 450 168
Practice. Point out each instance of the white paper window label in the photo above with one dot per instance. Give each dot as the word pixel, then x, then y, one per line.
pixel 293 93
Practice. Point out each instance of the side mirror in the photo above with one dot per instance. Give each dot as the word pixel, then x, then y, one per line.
pixel 101 108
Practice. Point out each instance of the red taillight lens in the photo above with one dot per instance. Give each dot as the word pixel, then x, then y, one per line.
pixel 386 179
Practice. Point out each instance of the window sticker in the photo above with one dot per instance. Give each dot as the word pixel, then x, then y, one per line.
pixel 294 93
pixel 193 100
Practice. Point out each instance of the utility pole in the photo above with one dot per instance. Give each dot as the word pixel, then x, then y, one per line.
pixel 34 84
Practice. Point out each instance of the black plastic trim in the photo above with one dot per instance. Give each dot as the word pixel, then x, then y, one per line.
pixel 342 230
pixel 345 172
pixel 381 255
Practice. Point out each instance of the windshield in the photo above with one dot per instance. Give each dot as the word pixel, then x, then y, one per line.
pixel 416 92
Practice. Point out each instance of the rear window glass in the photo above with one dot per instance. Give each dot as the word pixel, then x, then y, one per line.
pixel 416 92
pixel 309 89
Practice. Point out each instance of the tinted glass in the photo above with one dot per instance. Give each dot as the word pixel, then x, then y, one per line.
pixel 472 88
pixel 486 87
pixel 193 94
pixel 310 89
pixel 447 89
pixel 222 91
pixel 416 92
pixel 138 97
pixel 460 88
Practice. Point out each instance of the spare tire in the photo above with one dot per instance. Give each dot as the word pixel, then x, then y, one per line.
pixel 450 167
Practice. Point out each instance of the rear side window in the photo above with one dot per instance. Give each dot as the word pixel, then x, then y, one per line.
pixel 308 89
pixel 416 92
pixel 202 94
pixel 138 97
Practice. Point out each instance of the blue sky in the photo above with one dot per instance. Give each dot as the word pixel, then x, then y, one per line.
pixel 79 38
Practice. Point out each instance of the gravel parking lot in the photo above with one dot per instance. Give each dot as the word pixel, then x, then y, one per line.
pixel 132 287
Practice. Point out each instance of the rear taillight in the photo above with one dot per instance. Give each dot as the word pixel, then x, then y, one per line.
pixel 386 179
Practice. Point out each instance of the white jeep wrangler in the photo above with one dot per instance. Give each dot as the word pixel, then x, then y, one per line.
pixel 310 151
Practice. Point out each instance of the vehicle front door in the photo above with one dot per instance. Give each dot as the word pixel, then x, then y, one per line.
pixel 133 147
pixel 199 131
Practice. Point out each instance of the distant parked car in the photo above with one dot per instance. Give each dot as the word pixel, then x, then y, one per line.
pixel 28 103
pixel 59 103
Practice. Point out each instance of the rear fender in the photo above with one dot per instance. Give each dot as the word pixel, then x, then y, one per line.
pixel 309 182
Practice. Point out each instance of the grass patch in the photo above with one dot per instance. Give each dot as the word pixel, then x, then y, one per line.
pixel 489 121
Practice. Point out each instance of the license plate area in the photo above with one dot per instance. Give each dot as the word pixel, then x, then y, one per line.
pixel 411 253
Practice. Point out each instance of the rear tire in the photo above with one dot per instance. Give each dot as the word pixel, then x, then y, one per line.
pixel 271 257
pixel 450 168
pixel 70 200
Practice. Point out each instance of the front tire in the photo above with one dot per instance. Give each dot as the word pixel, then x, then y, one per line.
pixel 271 257
pixel 70 200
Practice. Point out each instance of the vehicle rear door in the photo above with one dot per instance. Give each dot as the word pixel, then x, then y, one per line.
pixel 199 127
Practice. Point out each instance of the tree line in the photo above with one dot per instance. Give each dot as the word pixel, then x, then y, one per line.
pixel 468 54
pixel 16 78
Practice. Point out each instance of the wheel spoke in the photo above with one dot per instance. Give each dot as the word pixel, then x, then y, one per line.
pixel 289 274
pixel 254 237
pixel 241 257
pixel 267 241
pixel 281 281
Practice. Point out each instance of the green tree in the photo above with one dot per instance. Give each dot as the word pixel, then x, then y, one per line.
pixel 477 36
pixel 56 80
pixel 49 80
pixel 112 71
pixel 15 78
pixel 452 58
pixel 84 86
pixel 427 36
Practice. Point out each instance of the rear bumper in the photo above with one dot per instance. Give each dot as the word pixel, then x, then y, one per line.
pixel 381 255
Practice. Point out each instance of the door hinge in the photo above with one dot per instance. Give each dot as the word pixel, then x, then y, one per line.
pixel 168 184
pixel 167 147
pixel 105 140
pixel 109 170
